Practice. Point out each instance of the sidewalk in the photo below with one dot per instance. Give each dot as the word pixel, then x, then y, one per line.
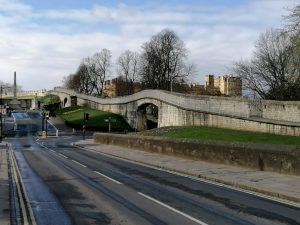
pixel 4 187
pixel 275 184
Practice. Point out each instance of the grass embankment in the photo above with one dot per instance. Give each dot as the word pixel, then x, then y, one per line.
pixel 74 118
pixel 209 133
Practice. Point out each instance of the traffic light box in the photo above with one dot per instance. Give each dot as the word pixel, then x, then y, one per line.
pixel 87 116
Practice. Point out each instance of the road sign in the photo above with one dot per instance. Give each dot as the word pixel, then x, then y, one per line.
pixel 109 121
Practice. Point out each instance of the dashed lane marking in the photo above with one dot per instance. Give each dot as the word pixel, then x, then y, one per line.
pixel 173 209
pixel 107 177
pixel 253 193
pixel 78 163
pixel 63 155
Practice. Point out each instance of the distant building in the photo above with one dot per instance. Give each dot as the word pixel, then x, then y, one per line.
pixel 195 89
pixel 117 87
pixel 110 88
pixel 222 85
pixel 227 85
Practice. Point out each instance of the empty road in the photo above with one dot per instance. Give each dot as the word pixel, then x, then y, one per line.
pixel 69 185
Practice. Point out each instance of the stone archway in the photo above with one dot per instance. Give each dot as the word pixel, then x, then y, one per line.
pixel 147 117
pixel 65 101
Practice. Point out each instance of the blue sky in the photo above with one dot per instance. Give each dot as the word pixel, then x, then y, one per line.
pixel 46 40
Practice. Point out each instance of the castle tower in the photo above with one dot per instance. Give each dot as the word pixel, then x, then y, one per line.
pixel 209 81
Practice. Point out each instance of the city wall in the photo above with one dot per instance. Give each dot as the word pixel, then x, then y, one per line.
pixel 186 110
pixel 281 110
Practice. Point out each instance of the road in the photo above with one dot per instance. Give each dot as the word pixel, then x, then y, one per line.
pixel 69 185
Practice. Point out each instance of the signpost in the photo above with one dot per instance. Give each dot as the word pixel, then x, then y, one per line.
pixel 109 121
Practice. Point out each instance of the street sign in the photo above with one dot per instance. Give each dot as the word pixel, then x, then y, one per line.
pixel 109 121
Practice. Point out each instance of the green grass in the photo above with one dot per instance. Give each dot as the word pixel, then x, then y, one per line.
pixel 74 117
pixel 208 133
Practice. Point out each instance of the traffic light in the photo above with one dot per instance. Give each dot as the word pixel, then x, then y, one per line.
pixel 87 116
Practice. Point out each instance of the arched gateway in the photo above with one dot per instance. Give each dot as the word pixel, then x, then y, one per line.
pixel 147 117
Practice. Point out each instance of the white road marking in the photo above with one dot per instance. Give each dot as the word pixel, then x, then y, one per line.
pixel 52 151
pixel 173 209
pixel 63 155
pixel 108 177
pixel 253 193
pixel 78 163
pixel 286 202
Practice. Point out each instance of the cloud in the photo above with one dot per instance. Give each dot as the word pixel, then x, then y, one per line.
pixel 14 6
pixel 43 46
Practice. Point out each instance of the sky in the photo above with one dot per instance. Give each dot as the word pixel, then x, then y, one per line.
pixel 45 41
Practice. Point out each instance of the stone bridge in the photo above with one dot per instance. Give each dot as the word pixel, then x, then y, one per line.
pixel 175 109
pixel 27 99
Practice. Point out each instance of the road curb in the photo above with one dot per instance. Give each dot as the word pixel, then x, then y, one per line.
pixel 25 207
pixel 5 212
pixel 220 181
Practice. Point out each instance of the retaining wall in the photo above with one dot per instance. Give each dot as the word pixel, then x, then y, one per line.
pixel 276 158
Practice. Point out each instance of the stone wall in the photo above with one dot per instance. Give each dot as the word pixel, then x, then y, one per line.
pixel 210 104
pixel 173 116
pixel 283 159
pixel 38 93
pixel 186 110
pixel 281 110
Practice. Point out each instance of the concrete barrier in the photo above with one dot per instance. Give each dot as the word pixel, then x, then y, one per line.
pixel 276 158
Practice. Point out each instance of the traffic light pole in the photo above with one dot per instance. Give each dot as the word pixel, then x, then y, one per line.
pixel 46 127
pixel 86 117
pixel 43 120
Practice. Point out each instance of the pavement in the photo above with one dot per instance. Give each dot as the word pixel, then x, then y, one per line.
pixel 4 186
pixel 278 185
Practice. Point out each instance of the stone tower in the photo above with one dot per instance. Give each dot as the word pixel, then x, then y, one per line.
pixel 15 104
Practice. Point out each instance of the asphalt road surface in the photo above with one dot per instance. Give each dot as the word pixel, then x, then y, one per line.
pixel 70 185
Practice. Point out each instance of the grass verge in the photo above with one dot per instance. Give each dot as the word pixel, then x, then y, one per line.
pixel 219 134
pixel 74 118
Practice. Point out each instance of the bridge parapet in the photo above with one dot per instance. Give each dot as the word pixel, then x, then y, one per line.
pixel 38 93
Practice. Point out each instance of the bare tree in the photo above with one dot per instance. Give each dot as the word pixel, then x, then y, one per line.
pixel 293 20
pixel 85 82
pixel 163 61
pixel 267 73
pixel 293 28
pixel 128 68
pixel 72 82
pixel 99 67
